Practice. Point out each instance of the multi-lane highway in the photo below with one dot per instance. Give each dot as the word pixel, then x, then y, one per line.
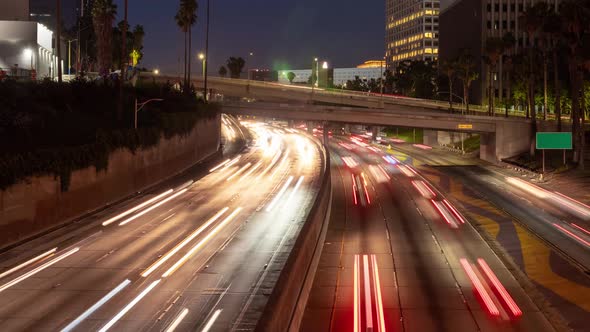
pixel 399 256
pixel 193 254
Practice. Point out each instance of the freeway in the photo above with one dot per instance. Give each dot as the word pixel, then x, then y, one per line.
pixel 399 256
pixel 543 233
pixel 199 253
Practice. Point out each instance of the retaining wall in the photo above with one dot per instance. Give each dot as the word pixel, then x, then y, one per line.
pixel 38 205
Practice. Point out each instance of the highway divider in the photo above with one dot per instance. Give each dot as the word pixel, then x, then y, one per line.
pixel 286 304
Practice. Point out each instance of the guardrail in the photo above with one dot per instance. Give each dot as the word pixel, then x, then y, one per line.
pixel 286 304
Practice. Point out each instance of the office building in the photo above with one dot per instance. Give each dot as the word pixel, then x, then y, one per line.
pixel 467 24
pixel 44 12
pixel 411 30
pixel 369 70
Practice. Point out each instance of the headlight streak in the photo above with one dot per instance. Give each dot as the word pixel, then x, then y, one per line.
pixel 294 191
pixel 212 320
pixel 96 306
pixel 178 320
pixel 182 244
pixel 140 206
pixel 240 171
pixel 272 175
pixel 350 162
pixel 162 202
pixel 250 171
pixel 129 306
pixel 29 262
pixel 279 194
pixel 194 249
pixel 219 166
pixel 39 269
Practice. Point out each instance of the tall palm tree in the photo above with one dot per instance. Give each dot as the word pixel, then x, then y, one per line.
pixel 466 73
pixel 103 15
pixel 532 20
pixel 235 66
pixel 552 30
pixel 494 49
pixel 448 67
pixel 58 39
pixel 185 19
pixel 575 14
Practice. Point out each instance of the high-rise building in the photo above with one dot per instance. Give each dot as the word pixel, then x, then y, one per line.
pixel 411 30
pixel 43 11
pixel 467 24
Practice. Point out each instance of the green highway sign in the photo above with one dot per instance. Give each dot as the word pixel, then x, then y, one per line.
pixel 554 141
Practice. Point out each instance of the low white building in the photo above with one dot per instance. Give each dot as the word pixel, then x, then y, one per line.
pixel 27 46
pixel 341 75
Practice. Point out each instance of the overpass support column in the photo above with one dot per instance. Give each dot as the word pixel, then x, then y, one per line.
pixel 291 124
pixel 375 131
pixel 346 127
pixel 430 137
pixel 326 131
pixel 310 126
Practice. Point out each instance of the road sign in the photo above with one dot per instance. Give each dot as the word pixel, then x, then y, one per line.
pixel 465 126
pixel 554 141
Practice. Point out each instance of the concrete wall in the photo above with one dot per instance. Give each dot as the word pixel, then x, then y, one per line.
pixel 38 204
pixel 286 304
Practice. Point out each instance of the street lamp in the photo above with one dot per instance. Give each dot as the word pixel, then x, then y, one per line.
pixel 203 61
pixel 139 106
pixel 156 72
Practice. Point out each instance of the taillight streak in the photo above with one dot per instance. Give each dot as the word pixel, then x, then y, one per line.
pixel 516 312
pixel 581 228
pixel 423 189
pixel 444 213
pixel 572 234
pixel 454 211
pixel 479 288
pixel 354 190
pixel 357 306
pixel 380 314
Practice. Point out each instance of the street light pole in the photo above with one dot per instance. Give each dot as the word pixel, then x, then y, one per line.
pixel 314 63
pixel 139 106
pixel 70 55
pixel 206 52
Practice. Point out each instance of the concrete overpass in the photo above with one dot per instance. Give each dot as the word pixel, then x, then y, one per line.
pixel 500 137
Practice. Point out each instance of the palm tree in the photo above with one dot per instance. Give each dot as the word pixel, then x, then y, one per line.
pixel 222 71
pixel 58 38
pixel 532 21
pixel 185 18
pixel 552 30
pixel 494 49
pixel 466 73
pixel 103 15
pixel 575 14
pixel 448 67
pixel 235 66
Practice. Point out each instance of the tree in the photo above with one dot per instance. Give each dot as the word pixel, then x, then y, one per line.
pixel 185 18
pixel 222 71
pixel 466 73
pixel 448 67
pixel 58 38
pixel 103 15
pixel 494 49
pixel 552 30
pixel 235 66
pixel 137 49
pixel 291 76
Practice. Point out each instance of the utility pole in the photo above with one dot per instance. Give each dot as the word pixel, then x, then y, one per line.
pixel 206 51
pixel 58 39
pixel 124 49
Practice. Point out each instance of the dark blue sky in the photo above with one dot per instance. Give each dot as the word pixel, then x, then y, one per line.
pixel 281 33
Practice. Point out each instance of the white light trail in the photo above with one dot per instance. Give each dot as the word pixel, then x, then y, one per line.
pixel 29 262
pixel 279 194
pixel 219 166
pixel 201 243
pixel 95 307
pixel 245 167
pixel 129 306
pixel 38 269
pixel 117 217
pixel 211 320
pixel 182 244
pixel 128 220
pixel 297 185
pixel 177 321
pixel 250 171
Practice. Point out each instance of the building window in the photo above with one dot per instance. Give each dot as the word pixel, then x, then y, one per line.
pixel 489 24
pixel 489 7
pixel 497 7
pixel 504 25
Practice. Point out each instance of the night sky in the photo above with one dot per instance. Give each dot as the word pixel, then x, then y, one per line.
pixel 282 34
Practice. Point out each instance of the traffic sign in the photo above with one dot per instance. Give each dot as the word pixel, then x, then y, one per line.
pixel 554 141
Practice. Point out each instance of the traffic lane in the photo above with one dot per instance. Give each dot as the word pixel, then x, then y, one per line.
pixel 535 214
pixel 240 282
pixel 433 252
pixel 133 259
